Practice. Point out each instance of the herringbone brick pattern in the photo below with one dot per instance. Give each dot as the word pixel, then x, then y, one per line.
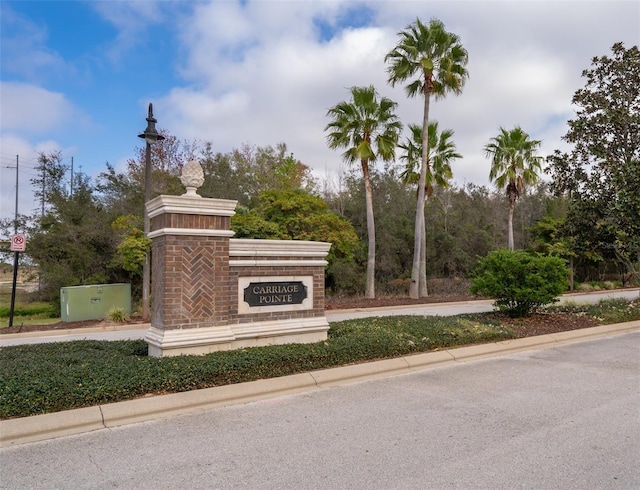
pixel 197 280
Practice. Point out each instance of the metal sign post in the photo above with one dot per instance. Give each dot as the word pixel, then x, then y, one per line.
pixel 18 244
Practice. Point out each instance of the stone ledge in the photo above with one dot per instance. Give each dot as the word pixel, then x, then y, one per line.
pixel 189 232
pixel 249 247
pixel 198 341
pixel 190 205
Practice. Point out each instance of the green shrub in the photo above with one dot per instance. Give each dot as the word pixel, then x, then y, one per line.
pixel 117 314
pixel 56 376
pixel 518 282
pixel 345 277
pixel 608 285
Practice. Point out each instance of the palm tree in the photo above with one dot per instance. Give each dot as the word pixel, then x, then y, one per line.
pixel 440 152
pixel 514 165
pixel 434 62
pixel 369 129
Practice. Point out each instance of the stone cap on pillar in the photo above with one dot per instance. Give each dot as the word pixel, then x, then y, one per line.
pixel 189 215
pixel 191 205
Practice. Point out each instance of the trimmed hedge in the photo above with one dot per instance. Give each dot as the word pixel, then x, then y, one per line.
pixel 44 378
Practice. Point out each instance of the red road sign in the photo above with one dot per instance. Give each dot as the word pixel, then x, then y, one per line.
pixel 18 243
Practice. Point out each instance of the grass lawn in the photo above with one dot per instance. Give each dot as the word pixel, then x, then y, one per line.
pixel 25 311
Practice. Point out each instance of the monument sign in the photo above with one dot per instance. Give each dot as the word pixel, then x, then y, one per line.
pixel 213 292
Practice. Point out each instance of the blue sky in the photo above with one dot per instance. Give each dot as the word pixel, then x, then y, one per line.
pixel 77 76
pixel 101 72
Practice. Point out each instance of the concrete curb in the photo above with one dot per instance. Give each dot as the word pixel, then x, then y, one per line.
pixel 49 426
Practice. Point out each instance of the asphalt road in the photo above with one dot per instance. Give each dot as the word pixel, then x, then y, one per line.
pixel 439 309
pixel 566 417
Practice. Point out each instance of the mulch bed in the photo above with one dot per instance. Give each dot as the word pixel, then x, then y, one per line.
pixel 545 323
pixel 347 303
pixel 538 324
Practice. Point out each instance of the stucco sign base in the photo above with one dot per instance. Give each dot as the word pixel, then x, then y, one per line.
pixel 198 341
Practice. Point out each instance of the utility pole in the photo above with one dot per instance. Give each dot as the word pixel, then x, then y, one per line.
pixel 44 176
pixel 15 221
pixel 71 176
pixel 15 218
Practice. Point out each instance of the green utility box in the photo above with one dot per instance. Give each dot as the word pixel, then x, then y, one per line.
pixel 78 303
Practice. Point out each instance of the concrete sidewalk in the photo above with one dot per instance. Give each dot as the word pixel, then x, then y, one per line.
pixel 48 426
pixel 138 331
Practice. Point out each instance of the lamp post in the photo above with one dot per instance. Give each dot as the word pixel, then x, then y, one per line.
pixel 150 135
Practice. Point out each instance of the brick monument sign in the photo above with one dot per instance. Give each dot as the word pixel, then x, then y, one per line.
pixel 212 292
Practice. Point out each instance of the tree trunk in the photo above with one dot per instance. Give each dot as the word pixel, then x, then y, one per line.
pixel 370 291
pixel 571 273
pixel 414 288
pixel 424 292
pixel 627 262
pixel 512 205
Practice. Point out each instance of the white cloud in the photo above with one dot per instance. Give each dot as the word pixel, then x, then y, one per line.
pixel 259 72
pixel 130 18
pixel 264 72
pixel 280 90
pixel 195 111
pixel 31 109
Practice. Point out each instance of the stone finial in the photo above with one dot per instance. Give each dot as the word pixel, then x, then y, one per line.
pixel 192 177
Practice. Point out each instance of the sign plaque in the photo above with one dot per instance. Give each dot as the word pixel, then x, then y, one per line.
pixel 18 243
pixel 275 293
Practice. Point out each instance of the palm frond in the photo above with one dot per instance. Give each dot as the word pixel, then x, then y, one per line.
pixel 428 57
pixel 514 164
pixel 366 126
pixel 441 152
